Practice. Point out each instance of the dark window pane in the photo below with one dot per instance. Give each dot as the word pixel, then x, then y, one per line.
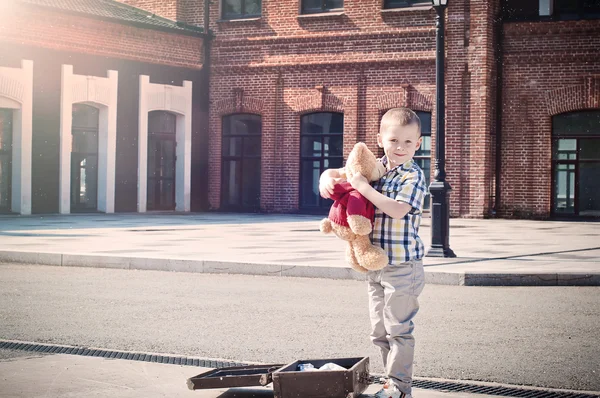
pixel 241 8
pixel 405 3
pixel 252 146
pixel 589 149
pixel 311 171
pixel 252 7
pixel 589 189
pixel 564 189
pixel 162 122
pixel 564 149
pixel 5 130
pixel 425 118
pixel 232 7
pixel 241 176
pixel 576 123
pixel 521 9
pixel 85 142
pixel 85 116
pixel 333 163
pixel 232 146
pixel 311 146
pixel 333 4
pixel 5 181
pixel 242 124
pixel 232 172
pixel 312 5
pixel 323 123
pixel 251 184
pixel 333 146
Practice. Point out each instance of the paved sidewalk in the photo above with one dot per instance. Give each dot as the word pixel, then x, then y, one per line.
pixel 490 252
pixel 64 376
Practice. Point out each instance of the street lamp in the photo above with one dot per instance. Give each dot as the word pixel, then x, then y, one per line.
pixel 439 188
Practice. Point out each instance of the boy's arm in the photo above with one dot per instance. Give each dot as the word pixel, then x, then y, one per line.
pixel 328 179
pixel 408 198
pixel 389 206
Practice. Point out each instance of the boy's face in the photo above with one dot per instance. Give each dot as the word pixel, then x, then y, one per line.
pixel 399 143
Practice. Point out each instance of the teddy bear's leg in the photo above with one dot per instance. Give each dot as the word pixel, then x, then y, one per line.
pixel 369 256
pixel 351 259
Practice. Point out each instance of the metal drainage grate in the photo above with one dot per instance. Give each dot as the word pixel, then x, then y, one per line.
pixel 449 386
pixel 112 354
pixel 445 386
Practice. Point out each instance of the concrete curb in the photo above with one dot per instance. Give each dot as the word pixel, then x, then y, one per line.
pixel 305 271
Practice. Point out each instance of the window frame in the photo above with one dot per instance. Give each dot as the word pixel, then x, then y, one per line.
pixel 322 10
pixel 75 204
pixel 241 158
pixel 413 3
pixel 240 16
pixel 580 14
pixel 575 162
pixel 324 204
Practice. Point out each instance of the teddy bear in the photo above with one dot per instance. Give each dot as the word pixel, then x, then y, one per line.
pixel 351 215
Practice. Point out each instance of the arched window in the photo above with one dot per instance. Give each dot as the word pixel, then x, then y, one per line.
pixel 241 153
pixel 5 159
pixel 321 147
pixel 576 164
pixel 84 159
pixel 162 146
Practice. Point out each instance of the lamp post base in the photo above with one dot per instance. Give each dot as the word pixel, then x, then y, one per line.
pixel 440 252
pixel 440 220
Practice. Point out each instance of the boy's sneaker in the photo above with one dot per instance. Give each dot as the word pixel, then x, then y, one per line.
pixel 391 391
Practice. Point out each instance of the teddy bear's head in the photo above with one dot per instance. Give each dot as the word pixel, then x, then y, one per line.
pixel 362 160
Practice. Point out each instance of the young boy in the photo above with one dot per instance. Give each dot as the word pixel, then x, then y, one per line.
pixel 398 198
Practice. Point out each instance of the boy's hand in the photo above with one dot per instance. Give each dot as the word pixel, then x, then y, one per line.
pixel 359 182
pixel 326 185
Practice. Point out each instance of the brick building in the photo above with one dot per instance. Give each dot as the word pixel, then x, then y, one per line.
pixel 86 89
pixel 293 84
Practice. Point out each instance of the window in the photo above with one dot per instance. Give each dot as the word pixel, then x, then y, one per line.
pixel 387 4
pixel 321 147
pixel 529 10
pixel 162 149
pixel 576 164
pixel 5 159
pixel 576 9
pixel 241 162
pixel 318 6
pixel 521 10
pixel 239 9
pixel 84 158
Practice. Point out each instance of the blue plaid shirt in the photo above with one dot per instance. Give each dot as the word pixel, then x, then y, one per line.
pixel 400 237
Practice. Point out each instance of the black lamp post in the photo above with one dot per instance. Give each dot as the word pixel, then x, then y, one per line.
pixel 439 188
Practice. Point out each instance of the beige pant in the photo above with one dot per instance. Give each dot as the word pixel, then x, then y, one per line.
pixel 393 303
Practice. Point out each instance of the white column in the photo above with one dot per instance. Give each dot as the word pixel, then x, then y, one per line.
pixel 107 147
pixel 184 153
pixel 143 143
pixel 66 121
pixel 22 145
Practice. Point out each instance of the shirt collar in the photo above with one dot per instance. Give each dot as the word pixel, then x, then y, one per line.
pixel 406 166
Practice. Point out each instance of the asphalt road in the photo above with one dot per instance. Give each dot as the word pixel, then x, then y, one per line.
pixel 540 336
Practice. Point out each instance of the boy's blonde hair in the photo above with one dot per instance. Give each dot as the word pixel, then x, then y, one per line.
pixel 399 117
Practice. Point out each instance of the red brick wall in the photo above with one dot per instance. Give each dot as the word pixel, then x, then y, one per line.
pixel 549 68
pixel 28 25
pixel 366 61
